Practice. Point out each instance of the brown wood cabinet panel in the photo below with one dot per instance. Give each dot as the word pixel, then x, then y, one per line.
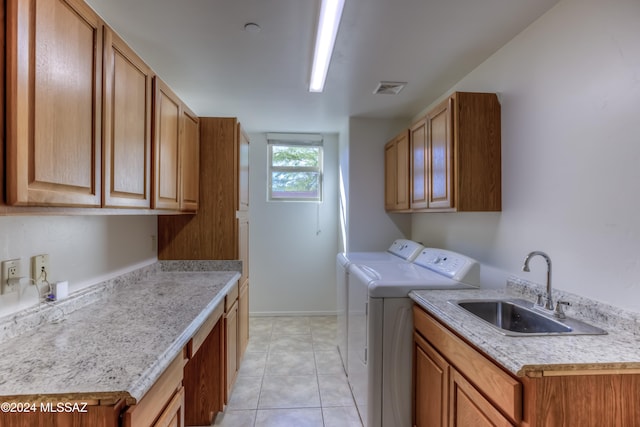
pixel 54 98
pixel 419 161
pixel 583 400
pixel 439 155
pixel 477 136
pixel 95 416
pixel 430 386
pixel 166 150
pixel 468 407
pixel 204 379
pixel 127 126
pixel 190 161
pixel 2 107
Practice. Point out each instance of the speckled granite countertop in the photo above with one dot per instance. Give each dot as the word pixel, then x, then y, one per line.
pixel 117 345
pixel 619 350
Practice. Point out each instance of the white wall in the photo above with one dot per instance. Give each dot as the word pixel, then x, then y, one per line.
pixel 570 93
pixel 293 245
pixel 343 187
pixel 83 249
pixel 369 227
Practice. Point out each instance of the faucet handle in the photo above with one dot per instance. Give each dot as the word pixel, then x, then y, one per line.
pixel 559 312
pixel 540 300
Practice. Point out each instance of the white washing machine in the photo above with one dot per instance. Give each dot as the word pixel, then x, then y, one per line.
pixel 380 328
pixel 401 250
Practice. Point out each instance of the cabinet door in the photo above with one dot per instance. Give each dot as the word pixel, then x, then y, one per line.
pixel 166 148
pixel 431 385
pixel 127 126
pixel 402 184
pixel 189 161
pixel 173 414
pixel 390 175
pixel 418 140
pixel 231 346
pixel 243 321
pixel 54 90
pixel 440 156
pixel 467 407
pixel 243 179
pixel 243 246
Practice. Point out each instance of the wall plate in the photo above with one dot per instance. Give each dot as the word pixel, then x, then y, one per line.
pixel 40 263
pixel 10 270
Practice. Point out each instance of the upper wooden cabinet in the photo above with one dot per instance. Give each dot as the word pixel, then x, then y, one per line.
pixel 396 173
pixel 456 155
pixel 53 103
pixel 127 126
pixel 189 161
pixel 80 114
pixel 213 233
pixel 176 157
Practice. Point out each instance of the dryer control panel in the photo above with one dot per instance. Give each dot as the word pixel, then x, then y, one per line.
pixel 405 249
pixel 451 264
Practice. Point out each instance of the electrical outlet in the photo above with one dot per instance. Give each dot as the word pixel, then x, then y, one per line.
pixel 40 269
pixel 10 270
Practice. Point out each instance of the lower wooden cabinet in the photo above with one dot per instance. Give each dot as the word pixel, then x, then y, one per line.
pixel 454 384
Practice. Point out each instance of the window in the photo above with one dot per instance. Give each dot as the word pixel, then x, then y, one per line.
pixel 295 167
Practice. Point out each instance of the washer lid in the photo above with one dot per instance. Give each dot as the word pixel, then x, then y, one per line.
pixel 385 280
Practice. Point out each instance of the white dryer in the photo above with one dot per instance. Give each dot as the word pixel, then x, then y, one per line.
pixel 380 328
pixel 401 250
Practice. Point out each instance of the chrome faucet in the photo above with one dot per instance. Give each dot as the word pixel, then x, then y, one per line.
pixel 549 301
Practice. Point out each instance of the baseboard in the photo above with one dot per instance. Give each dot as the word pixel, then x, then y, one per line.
pixel 292 313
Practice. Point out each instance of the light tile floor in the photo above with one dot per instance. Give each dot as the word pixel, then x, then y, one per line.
pixel 291 375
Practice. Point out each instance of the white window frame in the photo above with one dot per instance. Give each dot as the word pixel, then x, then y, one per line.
pixel 294 140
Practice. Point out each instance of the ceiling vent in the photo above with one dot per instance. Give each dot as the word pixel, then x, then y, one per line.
pixel 390 88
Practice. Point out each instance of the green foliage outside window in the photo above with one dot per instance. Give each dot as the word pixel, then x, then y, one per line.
pixel 296 172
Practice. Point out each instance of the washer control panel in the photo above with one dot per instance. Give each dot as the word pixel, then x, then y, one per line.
pixel 451 264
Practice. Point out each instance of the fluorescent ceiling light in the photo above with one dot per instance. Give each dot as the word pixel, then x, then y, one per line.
pixel 330 14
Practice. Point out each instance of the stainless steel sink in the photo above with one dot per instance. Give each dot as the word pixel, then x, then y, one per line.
pixel 516 317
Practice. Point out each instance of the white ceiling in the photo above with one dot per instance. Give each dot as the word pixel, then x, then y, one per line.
pixel 200 48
